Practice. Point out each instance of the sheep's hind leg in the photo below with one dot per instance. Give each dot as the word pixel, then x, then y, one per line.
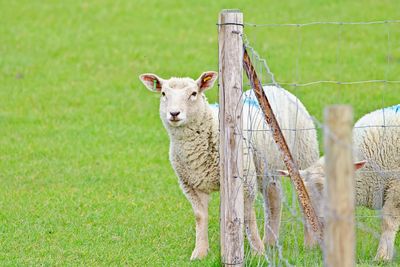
pixel 390 222
pixel 250 193
pixel 250 220
pixel 273 208
pixel 199 201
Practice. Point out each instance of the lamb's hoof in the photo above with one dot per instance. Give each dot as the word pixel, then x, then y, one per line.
pixel 199 253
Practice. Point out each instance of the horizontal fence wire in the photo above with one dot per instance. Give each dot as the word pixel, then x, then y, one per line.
pixel 337 82
pixel 320 23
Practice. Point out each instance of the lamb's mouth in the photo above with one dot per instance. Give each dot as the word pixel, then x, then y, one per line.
pixel 175 122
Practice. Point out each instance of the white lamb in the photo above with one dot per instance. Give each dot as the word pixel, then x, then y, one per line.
pixel 376 142
pixel 192 125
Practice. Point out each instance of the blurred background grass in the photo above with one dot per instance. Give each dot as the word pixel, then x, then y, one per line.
pixel 84 170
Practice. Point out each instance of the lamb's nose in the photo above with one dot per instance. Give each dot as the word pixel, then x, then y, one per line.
pixel 174 114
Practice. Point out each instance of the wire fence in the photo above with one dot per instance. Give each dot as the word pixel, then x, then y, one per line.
pixel 377 183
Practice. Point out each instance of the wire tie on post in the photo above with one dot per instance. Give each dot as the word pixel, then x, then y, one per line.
pixel 230 23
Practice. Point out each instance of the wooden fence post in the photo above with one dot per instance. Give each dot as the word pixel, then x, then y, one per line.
pixel 230 91
pixel 339 238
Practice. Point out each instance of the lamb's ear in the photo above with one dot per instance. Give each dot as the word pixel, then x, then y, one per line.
pixel 206 80
pixel 359 164
pixel 283 172
pixel 152 81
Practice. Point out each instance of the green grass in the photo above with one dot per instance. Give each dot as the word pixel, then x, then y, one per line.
pixel 84 170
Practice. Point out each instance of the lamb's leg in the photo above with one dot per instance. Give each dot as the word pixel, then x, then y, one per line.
pixel 250 193
pixel 390 222
pixel 273 207
pixel 250 220
pixel 199 201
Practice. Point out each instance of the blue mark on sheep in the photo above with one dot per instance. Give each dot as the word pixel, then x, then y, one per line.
pixel 251 102
pixel 395 108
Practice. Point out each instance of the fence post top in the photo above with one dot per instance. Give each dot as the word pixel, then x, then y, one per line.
pixel 230 17
pixel 339 107
pixel 339 113
pixel 231 11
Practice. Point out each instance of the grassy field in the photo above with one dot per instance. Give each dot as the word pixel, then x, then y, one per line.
pixel 84 171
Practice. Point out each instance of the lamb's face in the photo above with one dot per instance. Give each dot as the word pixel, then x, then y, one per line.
pixel 314 178
pixel 314 181
pixel 181 99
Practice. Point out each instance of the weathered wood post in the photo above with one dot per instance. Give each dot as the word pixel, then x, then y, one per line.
pixel 339 238
pixel 230 28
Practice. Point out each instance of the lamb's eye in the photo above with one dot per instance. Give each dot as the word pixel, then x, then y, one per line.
pixel 194 93
pixel 162 93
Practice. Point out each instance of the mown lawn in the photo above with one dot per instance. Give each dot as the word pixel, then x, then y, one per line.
pixel 84 171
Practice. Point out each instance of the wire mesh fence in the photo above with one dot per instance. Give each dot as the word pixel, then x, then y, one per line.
pixel 304 68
